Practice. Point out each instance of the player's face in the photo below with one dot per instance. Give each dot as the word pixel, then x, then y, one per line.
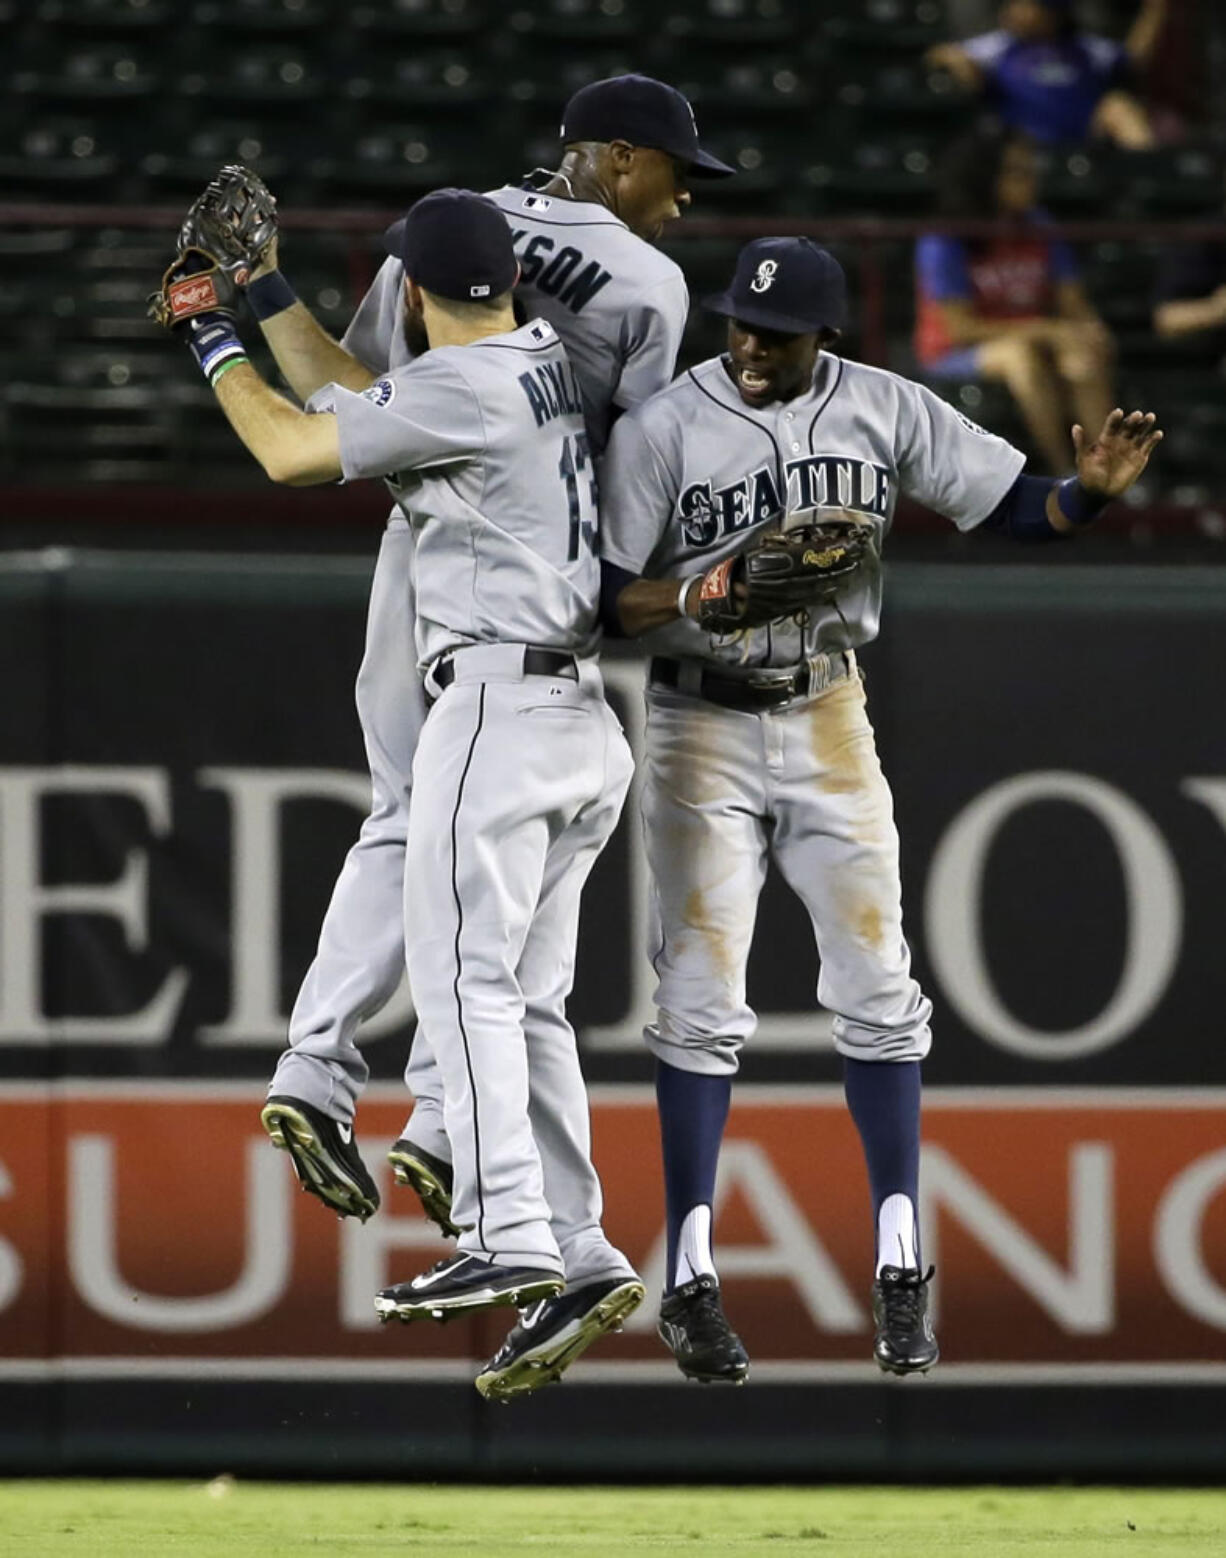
pixel 652 191
pixel 768 365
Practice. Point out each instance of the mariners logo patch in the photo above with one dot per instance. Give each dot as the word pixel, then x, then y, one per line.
pixel 382 392
pixel 764 277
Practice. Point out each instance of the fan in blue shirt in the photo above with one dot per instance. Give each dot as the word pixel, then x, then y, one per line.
pixel 1054 82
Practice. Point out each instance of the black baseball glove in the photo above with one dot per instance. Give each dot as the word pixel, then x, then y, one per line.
pixel 235 220
pixel 782 573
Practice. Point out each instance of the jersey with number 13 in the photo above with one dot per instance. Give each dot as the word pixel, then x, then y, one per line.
pixel 485 449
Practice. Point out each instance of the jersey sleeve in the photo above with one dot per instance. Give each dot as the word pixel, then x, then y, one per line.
pixel 414 417
pixel 373 327
pixel 638 489
pixel 987 49
pixel 651 339
pixel 940 268
pixel 949 463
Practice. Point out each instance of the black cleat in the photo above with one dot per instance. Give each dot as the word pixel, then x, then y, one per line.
pixel 324 1154
pixel 430 1178
pixel 553 1333
pixel 695 1330
pixel 463 1285
pixel 904 1343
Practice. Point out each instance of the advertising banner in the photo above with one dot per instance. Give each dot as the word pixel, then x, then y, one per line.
pixel 153 1229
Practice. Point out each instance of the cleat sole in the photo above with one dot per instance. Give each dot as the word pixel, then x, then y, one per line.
pixel 547 1366
pixel 291 1132
pixel 471 1303
pixel 415 1175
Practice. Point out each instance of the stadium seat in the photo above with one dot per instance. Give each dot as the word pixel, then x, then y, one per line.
pixel 1170 181
pixel 59 156
pixel 394 163
pixel 270 18
pixel 736 23
pixel 88 75
pixel 859 28
pixel 596 21
pixel 434 80
pixel 422 18
pixel 205 148
pixel 104 18
pixel 866 177
pixel 261 79
pixel 757 86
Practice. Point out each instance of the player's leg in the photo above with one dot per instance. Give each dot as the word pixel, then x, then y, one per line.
pixel 359 961
pixel 703 804
pixel 478 842
pixel 602 1287
pixel 837 846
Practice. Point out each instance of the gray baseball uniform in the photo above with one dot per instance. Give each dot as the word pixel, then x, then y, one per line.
pixel 520 773
pixel 619 307
pixel 686 477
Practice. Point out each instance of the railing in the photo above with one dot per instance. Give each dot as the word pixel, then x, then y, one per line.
pixel 869 234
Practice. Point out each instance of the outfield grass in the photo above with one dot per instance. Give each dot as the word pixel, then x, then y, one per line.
pixel 228 1519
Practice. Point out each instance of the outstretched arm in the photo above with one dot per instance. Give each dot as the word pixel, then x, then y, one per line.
pixel 1143 35
pixel 306 354
pixel 294 447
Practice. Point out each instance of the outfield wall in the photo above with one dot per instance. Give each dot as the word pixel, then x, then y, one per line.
pixel 180 774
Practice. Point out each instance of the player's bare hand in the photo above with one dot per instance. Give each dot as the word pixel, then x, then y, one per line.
pixel 268 260
pixel 1113 461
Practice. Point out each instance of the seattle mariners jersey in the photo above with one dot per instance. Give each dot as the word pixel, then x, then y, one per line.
pixel 619 304
pixel 486 451
pixel 689 474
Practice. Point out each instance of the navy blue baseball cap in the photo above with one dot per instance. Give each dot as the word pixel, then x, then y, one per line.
pixel 456 244
pixel 644 112
pixel 792 285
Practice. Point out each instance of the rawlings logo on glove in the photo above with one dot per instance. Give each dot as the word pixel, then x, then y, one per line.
pixel 783 573
pixel 193 284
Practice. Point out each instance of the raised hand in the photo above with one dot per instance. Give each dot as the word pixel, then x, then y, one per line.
pixel 1113 461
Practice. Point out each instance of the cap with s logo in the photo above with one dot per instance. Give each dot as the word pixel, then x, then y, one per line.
pixel 791 285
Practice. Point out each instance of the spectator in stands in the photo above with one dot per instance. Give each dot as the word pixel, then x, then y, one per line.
pixel 1010 307
pixel 1190 297
pixel 1053 82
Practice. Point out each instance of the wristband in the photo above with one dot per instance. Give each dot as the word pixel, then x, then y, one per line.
pixel 1077 503
pixel 269 295
pixel 683 592
pixel 214 343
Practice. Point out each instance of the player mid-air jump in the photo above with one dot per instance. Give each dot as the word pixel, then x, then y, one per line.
pixel 758 739
pixel 507 587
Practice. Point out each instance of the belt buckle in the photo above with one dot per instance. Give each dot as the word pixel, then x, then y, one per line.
pixel 775 680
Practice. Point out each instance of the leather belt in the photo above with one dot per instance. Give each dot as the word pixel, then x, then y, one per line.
pixel 537 662
pixel 769 688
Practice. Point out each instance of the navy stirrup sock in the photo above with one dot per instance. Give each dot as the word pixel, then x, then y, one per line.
pixel 884 1099
pixel 693 1110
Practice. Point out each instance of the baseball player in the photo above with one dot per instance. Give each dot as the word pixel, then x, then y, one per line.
pixel 507 591
pixel 583 239
pixel 758 740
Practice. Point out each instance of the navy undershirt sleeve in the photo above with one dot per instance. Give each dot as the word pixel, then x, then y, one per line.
pixel 1022 513
pixel 613 580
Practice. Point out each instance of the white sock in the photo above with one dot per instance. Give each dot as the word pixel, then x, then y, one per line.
pixel 896 1235
pixel 694 1258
